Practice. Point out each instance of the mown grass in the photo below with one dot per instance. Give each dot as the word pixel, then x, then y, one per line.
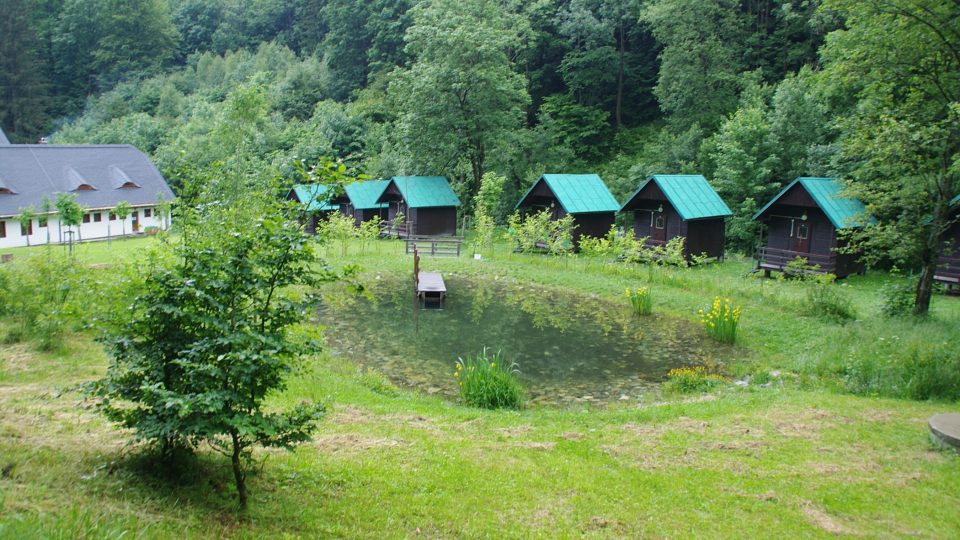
pixel 795 459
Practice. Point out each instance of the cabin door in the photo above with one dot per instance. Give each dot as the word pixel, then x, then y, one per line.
pixel 658 226
pixel 136 221
pixel 801 235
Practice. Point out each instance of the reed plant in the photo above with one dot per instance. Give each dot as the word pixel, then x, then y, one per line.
pixel 641 300
pixel 486 381
pixel 721 320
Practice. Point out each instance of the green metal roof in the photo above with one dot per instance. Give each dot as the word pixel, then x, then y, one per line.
pixel 424 191
pixel 315 196
pixel 364 195
pixel 578 193
pixel 843 212
pixel 955 201
pixel 690 194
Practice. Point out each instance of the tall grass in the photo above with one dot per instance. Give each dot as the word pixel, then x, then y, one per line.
pixel 486 381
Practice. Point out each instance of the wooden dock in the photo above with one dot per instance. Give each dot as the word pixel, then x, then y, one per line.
pixel 431 290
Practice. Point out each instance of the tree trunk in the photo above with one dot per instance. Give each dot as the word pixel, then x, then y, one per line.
pixel 620 76
pixel 238 475
pixel 921 304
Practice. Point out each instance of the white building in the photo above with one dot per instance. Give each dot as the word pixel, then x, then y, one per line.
pixel 101 176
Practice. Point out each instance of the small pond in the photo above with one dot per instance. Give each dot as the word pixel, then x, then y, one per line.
pixel 568 347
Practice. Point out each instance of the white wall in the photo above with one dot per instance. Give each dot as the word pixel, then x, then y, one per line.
pixel 87 231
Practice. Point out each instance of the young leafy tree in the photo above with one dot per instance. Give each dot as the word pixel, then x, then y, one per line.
pixel 122 211
pixel 46 209
pixel 25 218
pixel 209 338
pixel 900 60
pixel 69 211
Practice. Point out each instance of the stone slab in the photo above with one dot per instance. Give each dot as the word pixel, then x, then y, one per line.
pixel 945 428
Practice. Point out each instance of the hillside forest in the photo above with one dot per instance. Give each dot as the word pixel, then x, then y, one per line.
pixel 749 93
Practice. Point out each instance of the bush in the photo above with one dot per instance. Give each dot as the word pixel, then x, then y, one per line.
pixel 825 299
pixel 898 299
pixel 721 321
pixel 41 298
pixel 692 379
pixel 486 381
pixel 641 301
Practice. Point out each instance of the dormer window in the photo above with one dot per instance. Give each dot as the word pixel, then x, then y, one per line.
pixel 120 179
pixel 85 187
pixel 76 182
pixel 128 185
pixel 7 191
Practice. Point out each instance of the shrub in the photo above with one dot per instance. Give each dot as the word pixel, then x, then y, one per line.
pixel 918 373
pixel 897 299
pixel 692 379
pixel 41 298
pixel 825 299
pixel 641 301
pixel 721 321
pixel 486 381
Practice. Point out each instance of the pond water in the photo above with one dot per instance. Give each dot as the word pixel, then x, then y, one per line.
pixel 568 347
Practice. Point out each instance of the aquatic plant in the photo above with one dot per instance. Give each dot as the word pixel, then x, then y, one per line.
pixel 721 321
pixel 692 379
pixel 488 382
pixel 641 300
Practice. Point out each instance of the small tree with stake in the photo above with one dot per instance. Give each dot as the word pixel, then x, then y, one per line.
pixel 70 212
pixel 209 337
pixel 122 211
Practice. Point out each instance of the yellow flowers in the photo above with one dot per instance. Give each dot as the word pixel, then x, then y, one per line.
pixel 722 320
pixel 641 300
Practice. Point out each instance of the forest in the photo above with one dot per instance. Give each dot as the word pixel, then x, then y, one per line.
pixel 749 93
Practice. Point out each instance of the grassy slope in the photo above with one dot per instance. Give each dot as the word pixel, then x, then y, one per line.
pixel 740 462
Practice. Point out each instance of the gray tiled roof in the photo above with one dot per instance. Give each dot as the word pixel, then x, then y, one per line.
pixel 30 171
pixel 3 137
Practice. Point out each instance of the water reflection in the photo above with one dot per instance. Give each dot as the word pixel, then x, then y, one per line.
pixel 570 347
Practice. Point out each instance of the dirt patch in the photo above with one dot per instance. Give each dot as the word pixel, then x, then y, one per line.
pixel 819 518
pixel 16 358
pixel 352 443
pixel 516 431
pixel 600 523
pixel 535 445
pixel 572 436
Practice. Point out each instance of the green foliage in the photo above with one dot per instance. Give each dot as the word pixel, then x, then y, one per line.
pixel 721 320
pixel 540 232
pixel 915 371
pixel 826 299
pixel 486 381
pixel 641 300
pixel 693 379
pixel 897 299
pixel 209 339
pixel 43 298
pixel 368 231
pixel 25 218
pixel 122 210
pixel 339 228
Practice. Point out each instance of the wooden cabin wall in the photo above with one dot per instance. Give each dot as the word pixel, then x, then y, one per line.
pixel 595 224
pixel 706 236
pixel 435 221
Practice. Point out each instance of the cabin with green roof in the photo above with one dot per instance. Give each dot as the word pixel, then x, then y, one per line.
pixel 584 196
pixel 359 200
pixel 428 204
pixel 804 220
pixel 316 201
pixel 667 206
pixel 948 269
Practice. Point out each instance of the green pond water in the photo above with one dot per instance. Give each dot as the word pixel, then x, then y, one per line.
pixel 568 347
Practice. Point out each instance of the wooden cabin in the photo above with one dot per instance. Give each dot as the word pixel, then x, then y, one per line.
pixel 803 221
pixel 584 196
pixel 948 269
pixel 359 201
pixel 667 206
pixel 316 200
pixel 428 204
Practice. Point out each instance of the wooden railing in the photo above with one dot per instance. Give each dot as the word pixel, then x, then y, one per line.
pixel 948 270
pixel 397 230
pixel 435 246
pixel 778 259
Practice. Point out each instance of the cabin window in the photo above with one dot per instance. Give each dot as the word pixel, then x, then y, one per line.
pixel 3 229
pixel 97 217
pixel 659 221
pixel 146 212
pixel 803 230
pixel 42 222
pixel 86 218
pixel 26 229
pixel 113 217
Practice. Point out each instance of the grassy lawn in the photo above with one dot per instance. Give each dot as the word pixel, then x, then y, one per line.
pixel 797 458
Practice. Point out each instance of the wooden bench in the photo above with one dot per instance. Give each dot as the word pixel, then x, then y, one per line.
pixel 436 246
